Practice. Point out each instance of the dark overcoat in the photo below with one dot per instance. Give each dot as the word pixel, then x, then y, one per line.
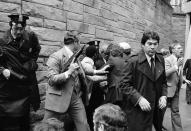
pixel 138 81
pixel 20 56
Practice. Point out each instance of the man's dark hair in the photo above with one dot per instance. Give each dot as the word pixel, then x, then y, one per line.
pixel 111 116
pixel 149 35
pixel 91 51
pixel 71 37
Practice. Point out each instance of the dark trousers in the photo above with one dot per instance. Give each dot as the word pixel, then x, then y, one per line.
pixel 96 99
pixel 15 123
pixel 173 104
pixel 76 111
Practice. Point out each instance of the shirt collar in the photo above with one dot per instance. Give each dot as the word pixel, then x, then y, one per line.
pixel 149 58
pixel 69 52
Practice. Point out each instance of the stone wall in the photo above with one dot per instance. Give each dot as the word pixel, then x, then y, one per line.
pixel 178 25
pixel 110 21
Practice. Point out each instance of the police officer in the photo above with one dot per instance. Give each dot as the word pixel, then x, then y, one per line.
pixel 19 50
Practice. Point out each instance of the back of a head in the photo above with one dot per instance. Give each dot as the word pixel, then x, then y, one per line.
pixel 149 35
pixel 91 51
pixel 111 116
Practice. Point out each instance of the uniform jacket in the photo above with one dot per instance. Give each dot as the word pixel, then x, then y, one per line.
pixel 138 81
pixel 59 94
pixel 174 80
pixel 26 52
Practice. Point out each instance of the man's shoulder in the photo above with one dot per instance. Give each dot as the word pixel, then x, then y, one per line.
pixel 58 54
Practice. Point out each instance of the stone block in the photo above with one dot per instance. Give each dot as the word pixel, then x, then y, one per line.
pixel 52 24
pixel 91 29
pixel 42 88
pixel 74 16
pixel 12 1
pixel 125 26
pixel 120 10
pixel 79 26
pixel 92 3
pixel 48 34
pixel 33 21
pixel 93 19
pixel 42 76
pixel 50 43
pixel 4 17
pixel 42 66
pixel 129 34
pixel 91 10
pixel 9 7
pixel 107 14
pixel 102 34
pixel 54 3
pixel 42 11
pixel 4 26
pixel 73 6
pixel 46 51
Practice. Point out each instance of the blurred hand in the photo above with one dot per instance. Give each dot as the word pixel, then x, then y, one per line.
pixel 73 67
pixel 102 71
pixel 162 102
pixel 144 104
pixel 103 83
pixel 180 62
pixel 6 73
pixel 187 81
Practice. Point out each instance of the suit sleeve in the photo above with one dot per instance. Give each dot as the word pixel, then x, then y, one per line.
pixel 169 69
pixel 54 75
pixel 164 85
pixel 126 84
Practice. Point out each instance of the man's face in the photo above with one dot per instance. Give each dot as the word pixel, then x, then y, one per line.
pixel 150 47
pixel 178 51
pixel 17 29
pixel 76 46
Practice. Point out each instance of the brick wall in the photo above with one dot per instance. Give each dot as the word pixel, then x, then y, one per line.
pixel 107 20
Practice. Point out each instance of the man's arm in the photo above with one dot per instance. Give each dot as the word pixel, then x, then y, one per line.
pixel 55 76
pixel 169 69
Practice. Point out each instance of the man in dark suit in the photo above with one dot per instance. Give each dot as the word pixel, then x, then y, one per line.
pixel 19 51
pixel 173 66
pixel 144 86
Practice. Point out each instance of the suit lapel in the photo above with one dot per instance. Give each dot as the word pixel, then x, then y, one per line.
pixel 144 66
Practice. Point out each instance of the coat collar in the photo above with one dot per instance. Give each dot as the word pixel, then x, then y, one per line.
pixel 8 37
pixel 144 66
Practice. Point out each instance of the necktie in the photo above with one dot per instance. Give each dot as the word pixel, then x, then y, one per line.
pixel 152 66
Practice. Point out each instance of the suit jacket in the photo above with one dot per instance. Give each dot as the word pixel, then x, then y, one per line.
pixel 174 79
pixel 139 81
pixel 59 91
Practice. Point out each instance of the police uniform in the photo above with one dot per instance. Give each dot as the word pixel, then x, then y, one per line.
pixel 18 55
